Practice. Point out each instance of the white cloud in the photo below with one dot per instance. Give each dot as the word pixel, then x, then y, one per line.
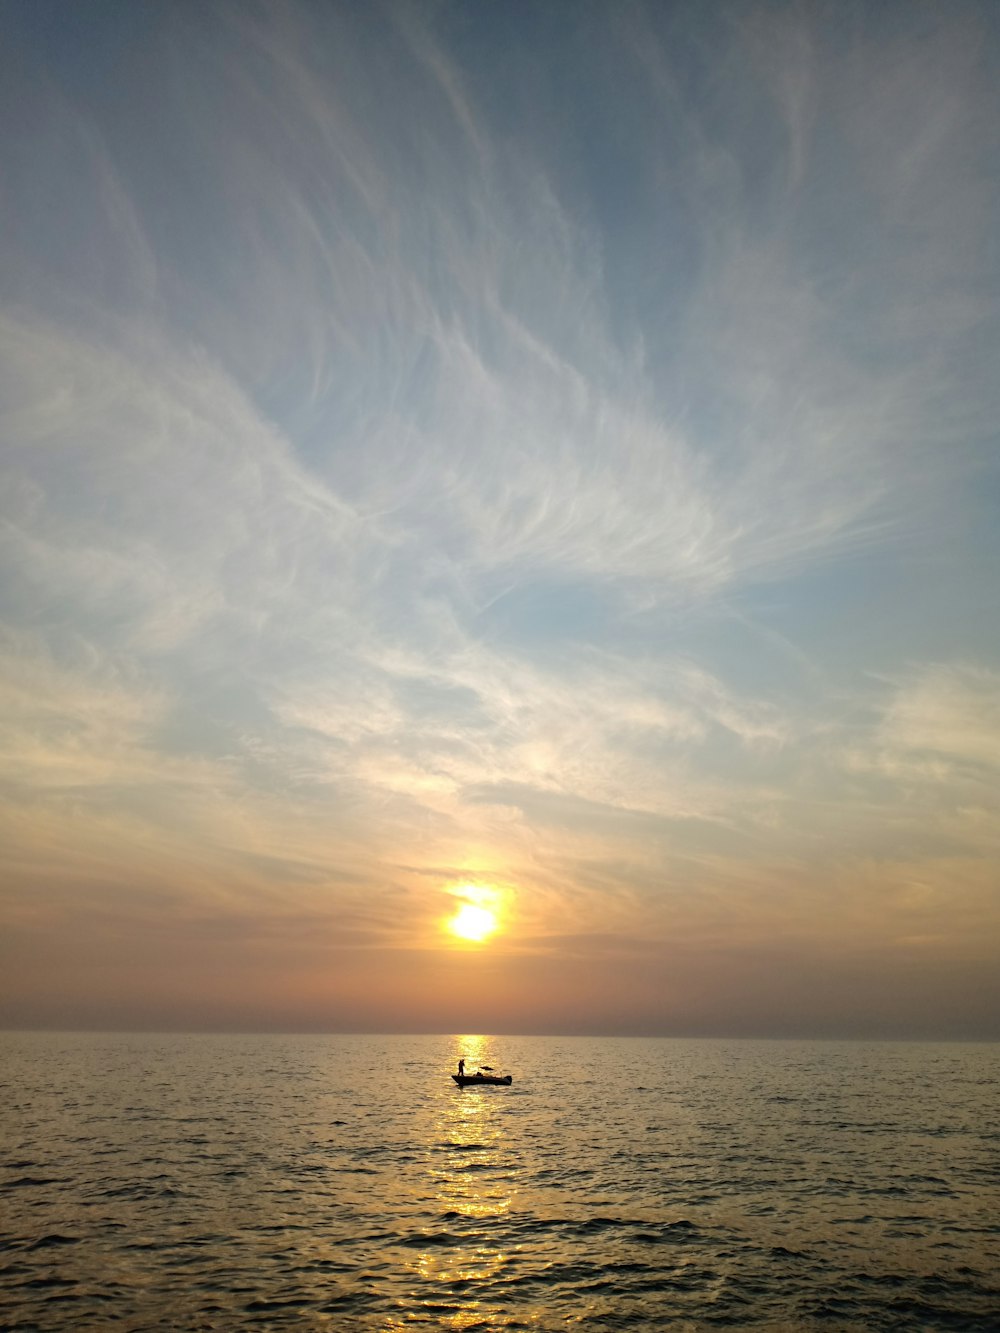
pixel 949 713
pixel 383 505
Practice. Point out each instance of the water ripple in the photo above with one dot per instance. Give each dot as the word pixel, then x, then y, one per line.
pixel 229 1183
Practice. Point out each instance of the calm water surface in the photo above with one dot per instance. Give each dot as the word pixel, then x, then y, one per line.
pixel 152 1182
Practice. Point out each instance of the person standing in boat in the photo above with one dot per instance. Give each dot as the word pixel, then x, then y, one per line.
pixel 461 1068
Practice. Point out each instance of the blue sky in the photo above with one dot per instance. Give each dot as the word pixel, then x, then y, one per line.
pixel 545 452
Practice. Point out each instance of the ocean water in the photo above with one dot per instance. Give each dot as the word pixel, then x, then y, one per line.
pixel 221 1182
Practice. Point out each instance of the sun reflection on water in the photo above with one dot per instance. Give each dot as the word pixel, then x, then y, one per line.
pixel 469 1185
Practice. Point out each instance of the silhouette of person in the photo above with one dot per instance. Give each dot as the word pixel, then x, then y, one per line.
pixel 461 1067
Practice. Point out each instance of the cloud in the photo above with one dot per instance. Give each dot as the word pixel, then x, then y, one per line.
pixel 422 452
pixel 949 711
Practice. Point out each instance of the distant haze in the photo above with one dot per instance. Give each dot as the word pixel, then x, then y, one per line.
pixel 535 456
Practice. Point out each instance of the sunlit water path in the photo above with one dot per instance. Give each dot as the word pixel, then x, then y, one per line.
pixel 345 1182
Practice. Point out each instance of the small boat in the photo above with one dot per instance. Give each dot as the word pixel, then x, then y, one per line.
pixel 480 1080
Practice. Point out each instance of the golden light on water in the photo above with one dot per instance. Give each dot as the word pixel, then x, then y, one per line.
pixel 466 1154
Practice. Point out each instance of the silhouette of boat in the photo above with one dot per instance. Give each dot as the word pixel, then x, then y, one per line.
pixel 479 1080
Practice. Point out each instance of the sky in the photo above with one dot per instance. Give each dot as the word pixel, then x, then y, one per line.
pixel 540 457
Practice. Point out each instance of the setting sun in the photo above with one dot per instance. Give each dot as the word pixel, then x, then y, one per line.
pixel 473 923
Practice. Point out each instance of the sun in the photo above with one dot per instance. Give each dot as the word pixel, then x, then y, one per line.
pixel 480 910
pixel 473 923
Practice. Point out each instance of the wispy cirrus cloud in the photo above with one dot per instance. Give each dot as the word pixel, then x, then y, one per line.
pixel 419 451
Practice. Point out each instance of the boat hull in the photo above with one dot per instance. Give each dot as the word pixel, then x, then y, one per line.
pixel 482 1080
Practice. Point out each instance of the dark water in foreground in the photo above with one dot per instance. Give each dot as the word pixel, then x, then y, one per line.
pixel 151 1182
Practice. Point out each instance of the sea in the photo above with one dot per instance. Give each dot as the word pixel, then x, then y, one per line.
pixel 345 1182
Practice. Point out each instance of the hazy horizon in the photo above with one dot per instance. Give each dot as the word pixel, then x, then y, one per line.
pixel 375 1034
pixel 501 518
